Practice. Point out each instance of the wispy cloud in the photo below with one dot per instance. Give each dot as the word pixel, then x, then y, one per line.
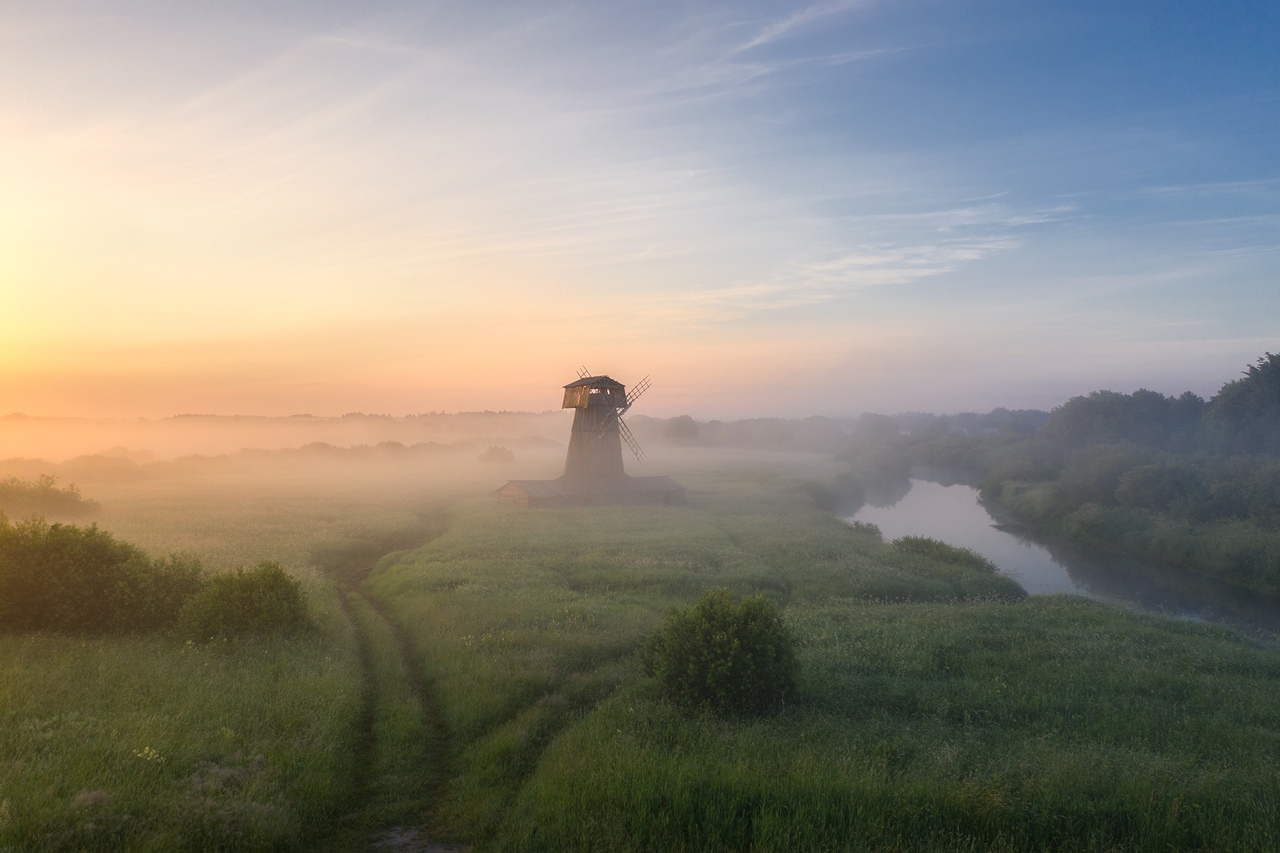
pixel 725 167
pixel 799 20
pixel 837 278
pixel 948 219
pixel 1263 185
pixel 886 264
pixel 374 45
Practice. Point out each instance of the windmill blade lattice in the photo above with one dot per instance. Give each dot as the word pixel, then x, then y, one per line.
pixel 636 390
pixel 625 432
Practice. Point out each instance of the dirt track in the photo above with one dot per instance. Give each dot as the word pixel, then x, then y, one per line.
pixel 359 830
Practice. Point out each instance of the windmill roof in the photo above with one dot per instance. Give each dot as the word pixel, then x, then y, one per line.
pixel 596 382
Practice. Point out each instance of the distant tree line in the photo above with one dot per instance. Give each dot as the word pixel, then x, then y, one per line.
pixel 816 434
pixel 823 434
pixel 1176 479
pixel 1243 418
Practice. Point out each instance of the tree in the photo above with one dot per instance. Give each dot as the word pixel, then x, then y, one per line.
pixel 1144 417
pixel 724 656
pixel 1246 412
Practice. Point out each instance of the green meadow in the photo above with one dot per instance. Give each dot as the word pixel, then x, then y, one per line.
pixel 151 743
pixel 474 677
pixel 938 708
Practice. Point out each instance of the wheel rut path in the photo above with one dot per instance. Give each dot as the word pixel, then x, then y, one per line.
pixel 351 566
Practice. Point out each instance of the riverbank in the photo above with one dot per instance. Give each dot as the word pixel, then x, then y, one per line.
pixel 958 514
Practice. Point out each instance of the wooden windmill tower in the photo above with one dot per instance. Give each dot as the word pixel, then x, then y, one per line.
pixel 595 443
pixel 593 471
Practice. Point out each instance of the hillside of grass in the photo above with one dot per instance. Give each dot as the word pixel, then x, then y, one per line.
pixel 473 680
pixel 149 743
pixel 938 708
pixel 138 740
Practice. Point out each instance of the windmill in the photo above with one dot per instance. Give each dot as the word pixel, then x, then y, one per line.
pixel 593 471
pixel 595 442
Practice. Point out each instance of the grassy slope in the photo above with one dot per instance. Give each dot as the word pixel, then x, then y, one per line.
pixel 145 744
pixel 1050 724
pixel 528 619
pixel 933 713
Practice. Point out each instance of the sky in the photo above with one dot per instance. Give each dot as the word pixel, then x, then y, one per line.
pixel 782 209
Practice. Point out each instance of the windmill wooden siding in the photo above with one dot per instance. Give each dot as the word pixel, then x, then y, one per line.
pixel 595 448
pixel 593 470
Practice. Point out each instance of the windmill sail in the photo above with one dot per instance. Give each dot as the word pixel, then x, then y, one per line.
pixel 636 390
pixel 629 439
pixel 612 421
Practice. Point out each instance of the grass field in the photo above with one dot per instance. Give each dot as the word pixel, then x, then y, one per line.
pixel 937 708
pixel 147 743
pixel 1047 725
pixel 480 684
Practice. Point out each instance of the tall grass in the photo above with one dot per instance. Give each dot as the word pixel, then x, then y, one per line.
pixel 1054 724
pixel 145 744
pixel 935 708
pixel 527 619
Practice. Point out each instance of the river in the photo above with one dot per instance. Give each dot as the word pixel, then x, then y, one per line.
pixel 954 515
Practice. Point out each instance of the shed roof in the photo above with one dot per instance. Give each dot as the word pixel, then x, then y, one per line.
pixel 540 488
pixel 597 382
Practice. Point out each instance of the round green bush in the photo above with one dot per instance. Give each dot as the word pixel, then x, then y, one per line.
pixel 724 656
pixel 82 580
pixel 261 600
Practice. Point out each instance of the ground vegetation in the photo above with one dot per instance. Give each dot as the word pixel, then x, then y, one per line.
pixel 723 655
pixel 43 495
pixel 1175 480
pixel 476 677
pixel 82 580
pixel 262 600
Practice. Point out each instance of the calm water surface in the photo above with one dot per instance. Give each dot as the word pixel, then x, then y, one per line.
pixel 954 515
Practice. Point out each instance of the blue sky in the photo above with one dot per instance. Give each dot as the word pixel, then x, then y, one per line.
pixel 772 208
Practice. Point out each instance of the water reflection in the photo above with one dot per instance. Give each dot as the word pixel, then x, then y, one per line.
pixel 953 514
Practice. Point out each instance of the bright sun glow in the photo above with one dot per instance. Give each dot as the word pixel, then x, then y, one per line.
pixel 394 210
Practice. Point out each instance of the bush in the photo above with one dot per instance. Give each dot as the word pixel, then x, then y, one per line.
pixel 725 656
pixel 497 454
pixel 262 600
pixel 935 549
pixel 64 578
pixel 43 496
